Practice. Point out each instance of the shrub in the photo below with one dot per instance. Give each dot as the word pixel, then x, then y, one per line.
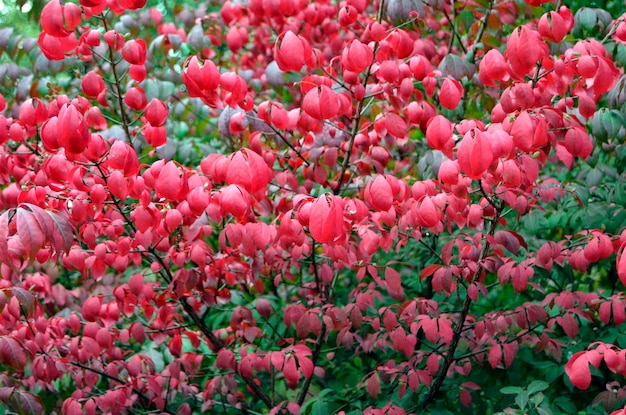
pixel 381 207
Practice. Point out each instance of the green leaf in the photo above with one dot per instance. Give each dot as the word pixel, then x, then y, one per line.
pixel 537 386
pixel 542 410
pixel 522 399
pixel 566 405
pixel 320 408
pixel 511 390
pixel 586 17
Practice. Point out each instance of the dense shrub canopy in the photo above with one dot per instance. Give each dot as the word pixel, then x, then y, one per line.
pixel 380 207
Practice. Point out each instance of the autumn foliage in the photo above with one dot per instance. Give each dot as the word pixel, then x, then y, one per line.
pixel 380 207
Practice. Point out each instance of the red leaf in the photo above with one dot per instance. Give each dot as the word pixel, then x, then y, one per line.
pixel 474 154
pixel 62 236
pixel 4 238
pixel 439 134
pixel 321 103
pixel 373 385
pixel 433 364
pixel 378 194
pixel 620 263
pixel 427 213
pixel 495 355
pixel 91 308
pixel 450 93
pixel 27 403
pixel 12 353
pixel 30 232
pixel 25 298
pixel 429 270
pixel 225 359
pixel 235 200
pixel 117 185
pixel 291 51
pixel 394 284
pixel 357 57
pixel 395 125
pixel 492 68
pixel 306 366
pixel 326 221
pixel 293 408
pixel 524 49
pixel 569 324
pixel 578 143
pixel 169 183
pixel 577 369
pixel 291 372
pixel 523 131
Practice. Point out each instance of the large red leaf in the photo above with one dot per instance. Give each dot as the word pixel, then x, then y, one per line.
pixel 378 194
pixel 169 182
pixel 30 232
pixel 12 353
pixel 326 221
pixel 577 368
pixel 26 403
pixel 474 154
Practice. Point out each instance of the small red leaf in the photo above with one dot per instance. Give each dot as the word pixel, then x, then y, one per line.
pixel 450 93
pixel 429 270
pixel 373 385
pixel 394 284
pixel 25 298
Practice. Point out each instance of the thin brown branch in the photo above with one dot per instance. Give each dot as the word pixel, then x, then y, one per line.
pixel 118 87
pixel 460 326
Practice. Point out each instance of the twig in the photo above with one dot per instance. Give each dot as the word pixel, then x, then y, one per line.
pixel 356 119
pixel 118 87
pixel 459 328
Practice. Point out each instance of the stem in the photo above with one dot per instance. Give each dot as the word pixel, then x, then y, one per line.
pixel 455 33
pixel 481 31
pixel 459 328
pixel 118 87
pixel 121 382
pixel 320 336
pixel 356 119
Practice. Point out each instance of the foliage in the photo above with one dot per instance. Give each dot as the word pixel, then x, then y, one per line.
pixel 379 207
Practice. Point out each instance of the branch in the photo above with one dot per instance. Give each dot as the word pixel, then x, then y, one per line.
pixel 198 321
pixel 118 87
pixel 471 57
pixel 148 401
pixel 458 329
pixel 356 119
pixel 320 336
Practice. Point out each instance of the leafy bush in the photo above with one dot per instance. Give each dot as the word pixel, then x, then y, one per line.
pixel 384 207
